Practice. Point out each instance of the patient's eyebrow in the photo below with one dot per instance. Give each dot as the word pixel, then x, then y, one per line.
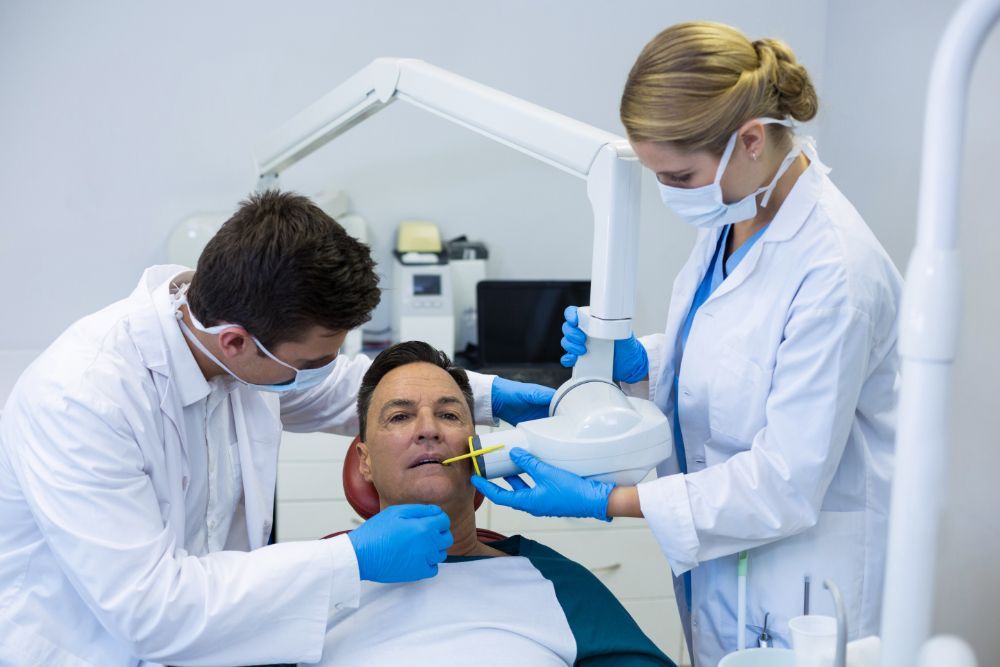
pixel 407 403
pixel 448 400
pixel 396 403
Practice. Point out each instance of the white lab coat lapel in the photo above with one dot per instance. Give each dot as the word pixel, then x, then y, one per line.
pixel 147 333
pixel 681 298
pixel 743 270
pixel 175 458
pixel 258 461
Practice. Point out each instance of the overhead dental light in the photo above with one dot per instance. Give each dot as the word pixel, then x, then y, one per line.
pixel 593 428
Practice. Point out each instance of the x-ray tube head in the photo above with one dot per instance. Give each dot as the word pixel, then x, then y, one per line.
pixel 595 431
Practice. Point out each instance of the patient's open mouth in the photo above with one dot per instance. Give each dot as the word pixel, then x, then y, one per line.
pixel 426 461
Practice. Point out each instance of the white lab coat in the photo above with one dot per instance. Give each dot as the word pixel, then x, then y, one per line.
pixel 93 569
pixel 787 401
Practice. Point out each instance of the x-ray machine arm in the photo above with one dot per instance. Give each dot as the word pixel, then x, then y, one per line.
pixel 604 160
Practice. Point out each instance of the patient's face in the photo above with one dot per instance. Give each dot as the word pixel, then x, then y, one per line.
pixel 418 418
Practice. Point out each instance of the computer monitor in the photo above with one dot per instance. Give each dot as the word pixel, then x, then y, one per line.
pixel 520 321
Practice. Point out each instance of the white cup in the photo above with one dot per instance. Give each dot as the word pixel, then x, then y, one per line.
pixel 814 640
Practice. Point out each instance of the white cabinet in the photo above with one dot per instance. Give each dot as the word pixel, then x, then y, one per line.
pixel 623 553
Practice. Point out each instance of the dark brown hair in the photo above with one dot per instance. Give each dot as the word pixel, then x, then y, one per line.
pixel 403 354
pixel 279 266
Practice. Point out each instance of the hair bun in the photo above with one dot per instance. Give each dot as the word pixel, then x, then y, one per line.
pixel 796 95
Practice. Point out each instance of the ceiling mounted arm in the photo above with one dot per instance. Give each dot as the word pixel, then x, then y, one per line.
pixel 605 160
pixel 548 136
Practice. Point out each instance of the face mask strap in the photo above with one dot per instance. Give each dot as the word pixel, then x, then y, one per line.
pixel 219 328
pixel 201 346
pixel 731 144
pixel 724 160
pixel 792 154
pixel 181 299
pixel 785 164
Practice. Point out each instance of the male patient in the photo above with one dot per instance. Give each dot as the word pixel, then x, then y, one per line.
pixel 513 602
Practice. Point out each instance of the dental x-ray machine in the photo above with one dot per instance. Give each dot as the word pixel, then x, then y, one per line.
pixel 594 429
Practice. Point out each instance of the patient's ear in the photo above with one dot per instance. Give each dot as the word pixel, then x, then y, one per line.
pixel 364 464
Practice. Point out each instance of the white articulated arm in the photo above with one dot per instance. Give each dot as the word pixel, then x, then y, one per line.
pixel 604 160
pixel 928 340
pixel 365 93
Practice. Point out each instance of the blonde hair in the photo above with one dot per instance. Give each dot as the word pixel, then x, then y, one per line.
pixel 696 83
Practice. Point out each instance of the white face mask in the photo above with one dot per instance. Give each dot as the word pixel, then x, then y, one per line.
pixel 704 208
pixel 305 378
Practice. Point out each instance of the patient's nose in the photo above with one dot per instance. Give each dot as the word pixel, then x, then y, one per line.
pixel 427 426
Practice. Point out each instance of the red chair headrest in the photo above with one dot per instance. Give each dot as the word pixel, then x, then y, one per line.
pixel 360 493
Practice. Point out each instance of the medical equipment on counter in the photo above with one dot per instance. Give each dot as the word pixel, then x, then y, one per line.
pixel 468 261
pixel 593 428
pixel 928 340
pixel 422 302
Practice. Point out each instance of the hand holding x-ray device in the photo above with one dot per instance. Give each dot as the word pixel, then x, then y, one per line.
pixel 556 492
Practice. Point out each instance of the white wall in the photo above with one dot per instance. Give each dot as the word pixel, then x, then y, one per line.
pixel 878 59
pixel 118 119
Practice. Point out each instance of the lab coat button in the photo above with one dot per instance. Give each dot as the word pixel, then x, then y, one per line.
pixel 338 606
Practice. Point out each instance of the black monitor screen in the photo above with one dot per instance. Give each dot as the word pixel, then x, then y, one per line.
pixel 520 321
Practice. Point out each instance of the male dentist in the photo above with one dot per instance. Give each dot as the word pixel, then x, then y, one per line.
pixel 138 457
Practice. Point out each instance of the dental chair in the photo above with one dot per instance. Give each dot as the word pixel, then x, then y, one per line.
pixel 363 497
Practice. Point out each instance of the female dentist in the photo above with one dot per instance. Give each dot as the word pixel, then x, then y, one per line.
pixel 778 364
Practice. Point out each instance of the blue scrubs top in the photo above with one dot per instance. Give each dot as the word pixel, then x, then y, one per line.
pixel 716 273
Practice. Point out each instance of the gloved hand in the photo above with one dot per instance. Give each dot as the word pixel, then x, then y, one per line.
pixel 516 402
pixel 631 361
pixel 557 492
pixel 402 543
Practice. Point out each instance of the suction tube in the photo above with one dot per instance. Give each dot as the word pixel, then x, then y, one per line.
pixel 595 431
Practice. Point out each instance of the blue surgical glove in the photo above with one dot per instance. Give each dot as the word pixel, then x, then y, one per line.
pixel 557 492
pixel 515 402
pixel 631 361
pixel 402 543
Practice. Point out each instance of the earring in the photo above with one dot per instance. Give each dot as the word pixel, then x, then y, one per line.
pixel 753 156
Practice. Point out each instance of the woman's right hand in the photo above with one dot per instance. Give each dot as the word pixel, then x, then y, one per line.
pixel 631 361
